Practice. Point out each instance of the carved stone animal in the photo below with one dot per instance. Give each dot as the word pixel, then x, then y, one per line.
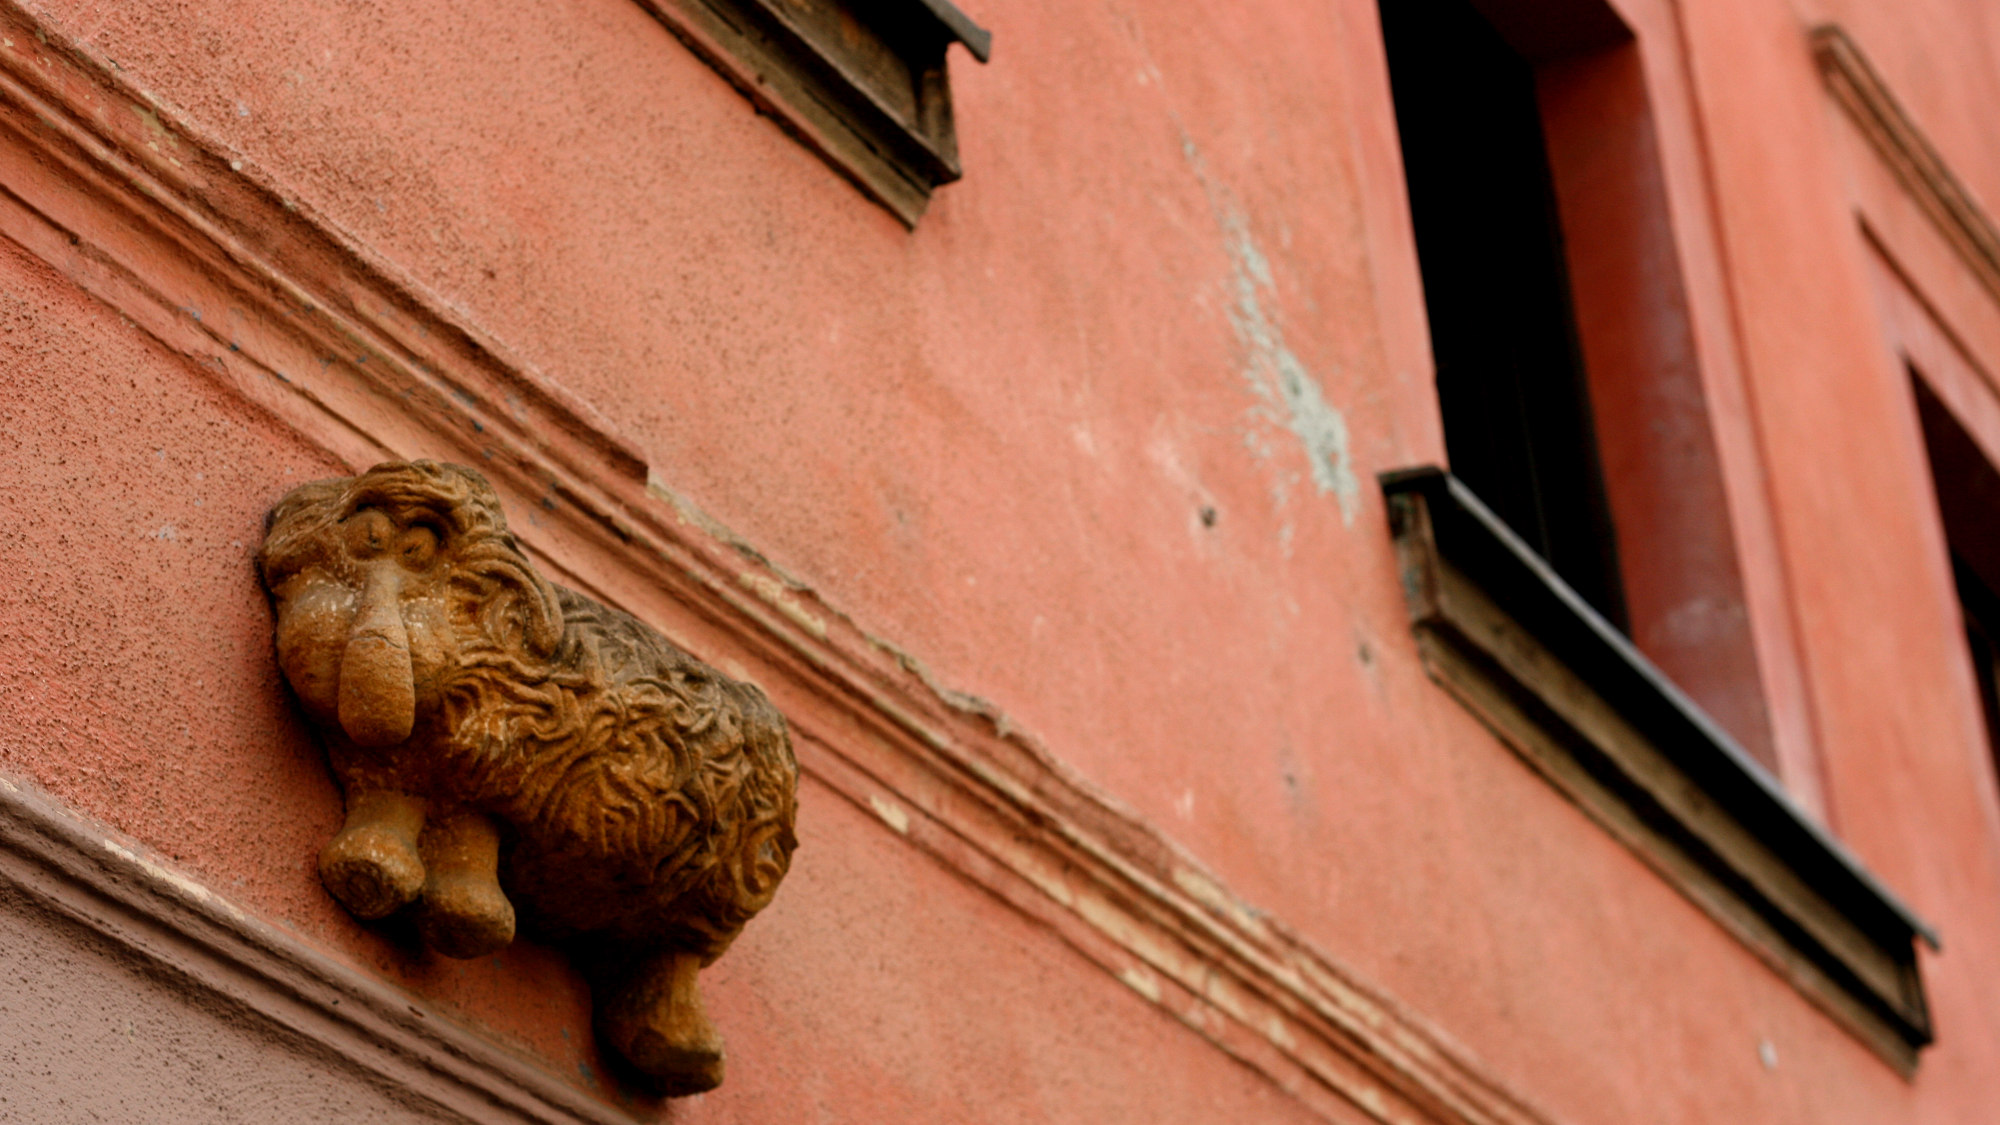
pixel 506 743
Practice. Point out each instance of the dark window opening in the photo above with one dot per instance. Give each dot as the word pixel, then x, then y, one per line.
pixel 1968 495
pixel 1982 636
pixel 1510 375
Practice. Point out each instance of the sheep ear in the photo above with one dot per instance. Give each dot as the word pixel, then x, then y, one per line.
pixel 541 613
pixel 518 606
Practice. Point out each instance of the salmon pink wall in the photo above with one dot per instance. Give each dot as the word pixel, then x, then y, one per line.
pixel 1096 443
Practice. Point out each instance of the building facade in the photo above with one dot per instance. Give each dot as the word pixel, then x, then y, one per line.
pixel 1401 561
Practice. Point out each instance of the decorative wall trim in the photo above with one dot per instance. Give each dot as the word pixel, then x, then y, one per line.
pixel 1895 137
pixel 117 891
pixel 281 305
pixel 1581 705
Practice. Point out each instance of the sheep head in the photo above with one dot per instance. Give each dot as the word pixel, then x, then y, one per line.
pixel 378 580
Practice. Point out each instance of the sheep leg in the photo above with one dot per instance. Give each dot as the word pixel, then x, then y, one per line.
pixel 654 1017
pixel 371 865
pixel 465 913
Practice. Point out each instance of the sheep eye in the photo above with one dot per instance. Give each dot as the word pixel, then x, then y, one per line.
pixel 369 533
pixel 418 547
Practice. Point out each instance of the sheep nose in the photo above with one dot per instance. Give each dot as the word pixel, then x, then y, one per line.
pixel 378 699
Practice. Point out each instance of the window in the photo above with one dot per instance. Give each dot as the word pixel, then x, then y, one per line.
pixel 1553 574
pixel 1510 374
pixel 1982 637
pixel 1567 368
pixel 860 82
pixel 1968 495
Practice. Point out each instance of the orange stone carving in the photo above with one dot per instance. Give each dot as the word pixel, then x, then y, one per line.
pixel 512 749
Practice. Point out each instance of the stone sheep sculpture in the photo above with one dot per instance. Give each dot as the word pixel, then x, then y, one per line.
pixel 506 744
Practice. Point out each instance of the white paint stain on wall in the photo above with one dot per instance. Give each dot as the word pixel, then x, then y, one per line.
pixel 1288 393
pixel 1289 398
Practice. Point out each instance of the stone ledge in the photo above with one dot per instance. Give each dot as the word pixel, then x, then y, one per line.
pixel 1581 706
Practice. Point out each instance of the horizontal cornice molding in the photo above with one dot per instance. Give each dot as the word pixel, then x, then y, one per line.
pixel 208 255
pixel 1896 139
pixel 122 895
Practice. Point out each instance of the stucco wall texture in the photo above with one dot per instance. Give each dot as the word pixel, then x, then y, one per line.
pixel 1096 443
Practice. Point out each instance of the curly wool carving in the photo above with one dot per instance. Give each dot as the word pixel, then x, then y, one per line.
pixel 506 745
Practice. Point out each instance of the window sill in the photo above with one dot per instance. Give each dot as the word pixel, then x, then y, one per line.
pixel 862 85
pixel 1580 705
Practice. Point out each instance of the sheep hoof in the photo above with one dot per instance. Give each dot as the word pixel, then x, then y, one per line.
pixel 677 1069
pixel 658 1024
pixel 465 917
pixel 373 870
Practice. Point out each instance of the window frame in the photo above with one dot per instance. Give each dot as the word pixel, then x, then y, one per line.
pixel 872 98
pixel 1620 732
